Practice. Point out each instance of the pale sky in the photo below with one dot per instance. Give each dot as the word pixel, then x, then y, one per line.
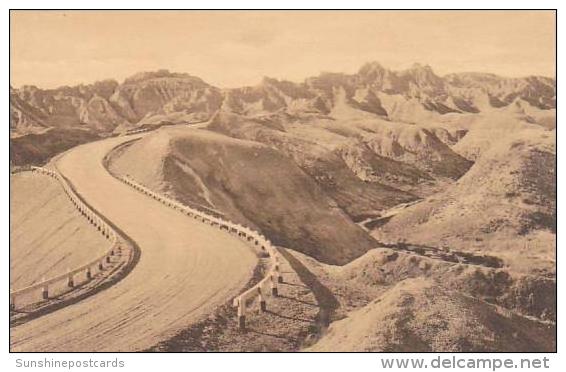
pixel 231 49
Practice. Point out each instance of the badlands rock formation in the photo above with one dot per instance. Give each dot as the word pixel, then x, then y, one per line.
pixel 415 95
pixel 167 97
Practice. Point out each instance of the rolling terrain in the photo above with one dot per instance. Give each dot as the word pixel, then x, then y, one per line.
pixel 414 207
pixel 418 315
pixel 505 205
pixel 390 300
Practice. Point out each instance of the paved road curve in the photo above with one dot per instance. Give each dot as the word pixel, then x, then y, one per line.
pixel 185 270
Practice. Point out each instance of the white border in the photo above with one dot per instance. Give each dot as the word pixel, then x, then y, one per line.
pixel 260 362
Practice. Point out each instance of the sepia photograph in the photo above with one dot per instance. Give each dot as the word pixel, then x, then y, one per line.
pixel 318 181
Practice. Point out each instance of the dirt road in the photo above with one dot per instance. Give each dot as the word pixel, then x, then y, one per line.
pixel 185 270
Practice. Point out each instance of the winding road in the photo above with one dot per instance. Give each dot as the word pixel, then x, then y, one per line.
pixel 186 269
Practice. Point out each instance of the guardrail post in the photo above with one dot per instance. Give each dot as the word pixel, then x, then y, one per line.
pixel 107 259
pixel 278 273
pixel 70 281
pixel 45 291
pixel 88 273
pixel 262 303
pixel 241 314
pixel 12 301
pixel 101 265
pixel 274 290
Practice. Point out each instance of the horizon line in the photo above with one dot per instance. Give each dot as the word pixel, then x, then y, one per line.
pixel 321 72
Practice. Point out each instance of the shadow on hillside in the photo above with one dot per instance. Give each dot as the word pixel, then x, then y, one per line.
pixel 324 297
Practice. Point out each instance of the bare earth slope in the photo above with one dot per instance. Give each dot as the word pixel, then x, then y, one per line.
pixel 417 315
pixel 394 301
pixel 185 270
pixel 505 205
pixel 365 164
pixel 47 235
